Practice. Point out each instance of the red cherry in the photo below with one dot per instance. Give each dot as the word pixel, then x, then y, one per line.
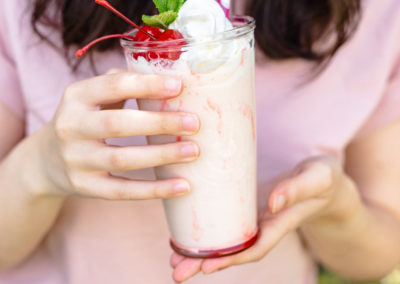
pixel 174 53
pixel 141 36
pixel 170 35
pixel 163 42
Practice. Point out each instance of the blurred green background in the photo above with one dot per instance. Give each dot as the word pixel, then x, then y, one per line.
pixel 329 278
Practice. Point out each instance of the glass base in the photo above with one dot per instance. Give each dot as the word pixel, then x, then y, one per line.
pixel 214 253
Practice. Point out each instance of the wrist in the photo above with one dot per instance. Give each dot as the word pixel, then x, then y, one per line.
pixel 26 163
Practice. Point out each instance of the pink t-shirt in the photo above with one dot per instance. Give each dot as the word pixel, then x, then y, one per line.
pixel 127 242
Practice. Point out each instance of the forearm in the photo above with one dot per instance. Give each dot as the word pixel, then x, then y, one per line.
pixel 363 247
pixel 26 214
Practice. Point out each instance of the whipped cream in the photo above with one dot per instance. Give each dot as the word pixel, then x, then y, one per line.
pixel 226 3
pixel 200 18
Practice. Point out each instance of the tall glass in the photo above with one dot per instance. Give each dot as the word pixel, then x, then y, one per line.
pixel 219 216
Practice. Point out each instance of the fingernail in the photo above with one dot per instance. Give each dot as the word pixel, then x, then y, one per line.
pixel 181 188
pixel 279 203
pixel 190 123
pixel 173 85
pixel 190 150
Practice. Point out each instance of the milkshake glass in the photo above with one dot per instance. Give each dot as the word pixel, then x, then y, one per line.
pixel 219 216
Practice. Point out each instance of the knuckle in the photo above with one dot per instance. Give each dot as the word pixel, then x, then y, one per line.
pixel 71 91
pixel 112 124
pixel 114 71
pixel 62 129
pixel 130 76
pixel 69 156
pixel 161 122
pixel 170 124
pixel 77 182
pixel 112 85
pixel 326 173
pixel 168 155
pixel 150 82
pixel 126 79
pixel 159 190
pixel 113 82
pixel 116 160
pixel 121 193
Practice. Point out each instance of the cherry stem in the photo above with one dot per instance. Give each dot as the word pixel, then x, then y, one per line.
pixel 81 52
pixel 105 3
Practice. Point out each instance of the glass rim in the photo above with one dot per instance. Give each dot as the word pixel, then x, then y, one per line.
pixel 248 25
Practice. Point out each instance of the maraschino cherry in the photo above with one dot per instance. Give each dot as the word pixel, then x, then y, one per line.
pixel 167 45
pixel 145 31
pixel 161 38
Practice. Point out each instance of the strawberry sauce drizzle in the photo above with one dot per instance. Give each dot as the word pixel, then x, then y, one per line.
pixel 214 107
pixel 248 112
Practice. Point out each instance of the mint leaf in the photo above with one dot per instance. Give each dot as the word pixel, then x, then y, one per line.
pixel 161 5
pixel 168 5
pixel 162 20
pixel 175 5
pixel 168 10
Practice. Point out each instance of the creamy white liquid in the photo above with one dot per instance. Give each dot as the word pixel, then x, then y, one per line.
pixel 220 211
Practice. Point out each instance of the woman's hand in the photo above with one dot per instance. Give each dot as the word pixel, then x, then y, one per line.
pixel 314 191
pixel 76 159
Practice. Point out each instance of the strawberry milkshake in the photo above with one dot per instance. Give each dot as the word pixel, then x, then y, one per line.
pixel 214 57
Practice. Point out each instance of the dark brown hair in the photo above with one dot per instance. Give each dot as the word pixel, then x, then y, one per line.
pixel 285 28
pixel 309 29
pixel 81 21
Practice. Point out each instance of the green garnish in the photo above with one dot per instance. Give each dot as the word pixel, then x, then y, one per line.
pixel 162 20
pixel 168 5
pixel 168 12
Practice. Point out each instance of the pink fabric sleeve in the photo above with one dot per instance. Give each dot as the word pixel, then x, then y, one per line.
pixel 388 109
pixel 10 90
